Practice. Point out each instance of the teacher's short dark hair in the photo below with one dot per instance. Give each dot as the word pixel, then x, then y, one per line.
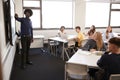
pixel 115 40
pixel 29 11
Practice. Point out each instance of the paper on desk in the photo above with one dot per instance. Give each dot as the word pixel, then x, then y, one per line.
pixel 83 52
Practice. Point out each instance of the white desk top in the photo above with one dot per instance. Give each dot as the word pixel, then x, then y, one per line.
pixel 69 37
pixel 58 39
pixel 85 58
pixel 38 36
pixel 116 34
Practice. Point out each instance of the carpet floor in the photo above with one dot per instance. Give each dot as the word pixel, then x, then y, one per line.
pixel 45 67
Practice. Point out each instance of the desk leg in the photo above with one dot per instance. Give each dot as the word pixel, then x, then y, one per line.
pixel 63 51
pixel 49 45
pixel 42 45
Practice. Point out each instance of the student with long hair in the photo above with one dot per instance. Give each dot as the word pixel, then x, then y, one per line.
pixel 95 43
pixel 108 34
pixel 91 31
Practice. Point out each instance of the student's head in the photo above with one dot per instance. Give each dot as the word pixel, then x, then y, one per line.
pixel 93 28
pixel 109 29
pixel 97 36
pixel 90 32
pixel 114 44
pixel 28 12
pixel 77 28
pixel 62 28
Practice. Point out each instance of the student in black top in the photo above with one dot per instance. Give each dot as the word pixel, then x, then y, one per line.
pixel 110 61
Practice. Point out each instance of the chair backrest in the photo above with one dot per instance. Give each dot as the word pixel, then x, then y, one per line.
pixel 114 77
pixel 83 42
pixel 76 68
pixel 53 43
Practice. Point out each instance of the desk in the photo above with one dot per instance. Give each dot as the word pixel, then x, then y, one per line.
pixel 38 41
pixel 59 39
pixel 116 35
pixel 38 36
pixel 85 58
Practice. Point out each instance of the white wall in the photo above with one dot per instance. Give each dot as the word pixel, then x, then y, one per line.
pixel 2 32
pixel 51 33
pixel 19 11
pixel 0 38
pixel 80 13
pixel 8 63
pixel 7 51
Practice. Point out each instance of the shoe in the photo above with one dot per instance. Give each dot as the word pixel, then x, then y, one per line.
pixel 29 62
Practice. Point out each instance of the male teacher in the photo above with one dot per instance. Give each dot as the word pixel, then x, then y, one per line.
pixel 26 34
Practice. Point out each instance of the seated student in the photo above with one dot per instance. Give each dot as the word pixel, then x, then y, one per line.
pixel 91 31
pixel 108 34
pixel 110 61
pixel 62 32
pixel 63 35
pixel 79 37
pixel 93 28
pixel 95 43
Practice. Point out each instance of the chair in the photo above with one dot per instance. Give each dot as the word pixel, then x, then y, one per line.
pixel 70 46
pixel 83 42
pixel 114 77
pixel 76 71
pixel 53 47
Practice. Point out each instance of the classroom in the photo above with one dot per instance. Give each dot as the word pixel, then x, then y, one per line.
pixel 59 40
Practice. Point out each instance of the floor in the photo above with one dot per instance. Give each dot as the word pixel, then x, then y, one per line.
pixel 45 67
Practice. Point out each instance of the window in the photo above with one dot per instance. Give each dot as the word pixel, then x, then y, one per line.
pixel 35 5
pixel 115 6
pixel 51 14
pixel 57 13
pixel 6 9
pixel 97 14
pixel 115 15
pixel 36 18
pixel 32 3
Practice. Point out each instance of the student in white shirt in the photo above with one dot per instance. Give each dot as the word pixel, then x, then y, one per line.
pixel 62 32
pixel 63 35
pixel 108 34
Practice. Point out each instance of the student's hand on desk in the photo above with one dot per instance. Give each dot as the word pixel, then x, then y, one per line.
pixel 76 39
pixel 92 50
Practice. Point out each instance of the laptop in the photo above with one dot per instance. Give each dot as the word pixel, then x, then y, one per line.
pixel 63 36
